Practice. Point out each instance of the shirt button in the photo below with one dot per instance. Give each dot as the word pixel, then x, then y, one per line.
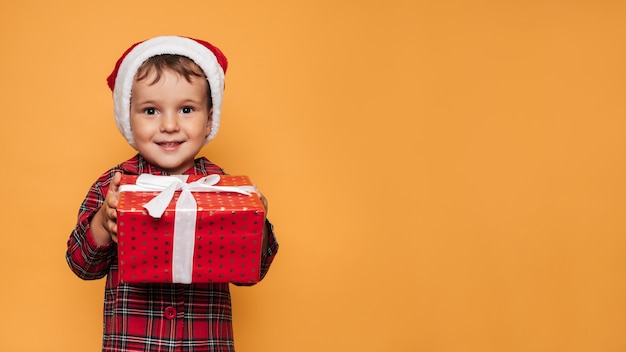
pixel 170 313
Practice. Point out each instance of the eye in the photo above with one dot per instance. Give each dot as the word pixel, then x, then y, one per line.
pixel 186 110
pixel 149 111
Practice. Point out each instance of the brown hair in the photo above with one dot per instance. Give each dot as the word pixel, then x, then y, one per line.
pixel 181 65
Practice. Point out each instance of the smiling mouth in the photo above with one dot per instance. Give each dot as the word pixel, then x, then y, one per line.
pixel 169 144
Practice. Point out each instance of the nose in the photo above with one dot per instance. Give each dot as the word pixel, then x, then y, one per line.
pixel 169 122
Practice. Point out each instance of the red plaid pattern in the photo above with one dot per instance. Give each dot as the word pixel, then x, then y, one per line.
pixel 153 317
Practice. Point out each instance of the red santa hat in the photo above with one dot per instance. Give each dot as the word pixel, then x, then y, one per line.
pixel 208 57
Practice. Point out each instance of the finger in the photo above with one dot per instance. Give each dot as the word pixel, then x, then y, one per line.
pixel 111 203
pixel 115 182
pixel 112 213
pixel 111 226
pixel 113 191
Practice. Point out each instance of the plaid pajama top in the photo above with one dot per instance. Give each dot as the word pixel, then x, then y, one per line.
pixel 153 317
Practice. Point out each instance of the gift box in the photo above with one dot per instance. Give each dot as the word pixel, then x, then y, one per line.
pixel 189 229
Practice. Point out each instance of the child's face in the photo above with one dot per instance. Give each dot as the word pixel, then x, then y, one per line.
pixel 170 120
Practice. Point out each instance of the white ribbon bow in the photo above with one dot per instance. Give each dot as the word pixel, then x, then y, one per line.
pixel 186 212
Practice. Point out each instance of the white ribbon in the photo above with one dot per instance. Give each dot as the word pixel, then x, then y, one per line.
pixel 186 212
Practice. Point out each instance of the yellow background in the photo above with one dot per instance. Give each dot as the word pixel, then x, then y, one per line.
pixel 443 175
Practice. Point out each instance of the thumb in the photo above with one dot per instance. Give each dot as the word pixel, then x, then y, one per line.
pixel 113 191
pixel 115 182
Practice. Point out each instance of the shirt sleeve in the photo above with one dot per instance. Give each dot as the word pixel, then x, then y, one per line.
pixel 85 257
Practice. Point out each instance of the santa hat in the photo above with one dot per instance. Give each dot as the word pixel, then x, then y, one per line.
pixel 208 57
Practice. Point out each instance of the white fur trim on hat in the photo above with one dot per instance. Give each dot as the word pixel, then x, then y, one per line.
pixel 175 45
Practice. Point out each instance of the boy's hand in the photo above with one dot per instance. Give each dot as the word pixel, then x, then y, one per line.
pixel 264 202
pixel 104 223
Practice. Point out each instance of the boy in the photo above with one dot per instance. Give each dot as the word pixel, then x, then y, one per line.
pixel 173 111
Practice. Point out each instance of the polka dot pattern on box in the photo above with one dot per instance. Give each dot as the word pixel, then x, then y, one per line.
pixel 227 243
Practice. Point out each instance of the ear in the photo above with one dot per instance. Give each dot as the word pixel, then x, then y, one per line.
pixel 209 123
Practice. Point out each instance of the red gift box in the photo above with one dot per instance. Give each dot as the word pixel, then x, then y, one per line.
pixel 218 241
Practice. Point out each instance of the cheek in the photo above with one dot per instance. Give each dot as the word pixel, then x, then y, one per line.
pixel 197 128
pixel 201 130
pixel 139 128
